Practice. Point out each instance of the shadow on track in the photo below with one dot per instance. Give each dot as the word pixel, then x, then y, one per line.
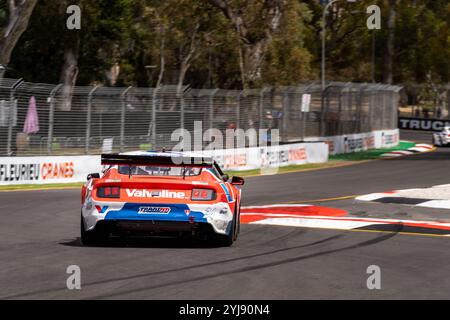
pixel 146 242
pixel 252 268
pixel 209 264
pixel 376 240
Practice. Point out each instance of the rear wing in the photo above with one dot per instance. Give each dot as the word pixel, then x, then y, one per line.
pixel 157 160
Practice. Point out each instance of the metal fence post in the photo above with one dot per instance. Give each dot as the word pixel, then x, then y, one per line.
pixel 123 97
pixel 383 110
pixel 303 123
pixel 261 106
pixel 303 114
pixel 51 119
pixel 238 110
pixel 11 114
pixel 182 118
pixel 182 109
pixel 324 110
pixel 448 100
pixel 359 101
pixel 89 118
pixel 153 122
pixel 211 107
pixel 284 108
pixel 340 129
pixel 373 108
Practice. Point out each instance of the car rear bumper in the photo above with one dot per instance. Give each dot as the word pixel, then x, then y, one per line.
pixel 218 215
pixel 153 228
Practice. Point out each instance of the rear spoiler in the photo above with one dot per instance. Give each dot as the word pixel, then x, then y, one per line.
pixel 169 160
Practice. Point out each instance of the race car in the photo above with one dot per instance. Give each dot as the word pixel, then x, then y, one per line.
pixel 442 139
pixel 160 194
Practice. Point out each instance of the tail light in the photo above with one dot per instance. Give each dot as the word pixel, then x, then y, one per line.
pixel 108 192
pixel 203 195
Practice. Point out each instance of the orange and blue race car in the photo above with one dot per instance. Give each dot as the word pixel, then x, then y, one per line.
pixel 160 194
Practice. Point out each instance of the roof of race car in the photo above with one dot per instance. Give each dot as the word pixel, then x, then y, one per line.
pixel 152 153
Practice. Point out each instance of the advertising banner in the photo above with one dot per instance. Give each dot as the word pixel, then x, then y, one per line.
pixel 270 157
pixel 422 124
pixel 47 170
pixel 50 170
pixel 360 142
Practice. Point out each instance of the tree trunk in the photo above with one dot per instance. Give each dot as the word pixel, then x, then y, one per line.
pixel 69 70
pixel 390 44
pixel 253 57
pixel 162 63
pixel 255 47
pixel 187 59
pixel 69 75
pixel 19 16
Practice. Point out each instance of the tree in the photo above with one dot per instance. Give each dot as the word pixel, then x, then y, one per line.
pixel 255 34
pixel 49 52
pixel 19 14
pixel 230 43
pixel 390 42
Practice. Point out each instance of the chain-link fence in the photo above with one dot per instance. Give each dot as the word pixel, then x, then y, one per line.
pixel 44 119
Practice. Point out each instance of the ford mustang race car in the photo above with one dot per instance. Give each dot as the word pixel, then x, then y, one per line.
pixel 442 139
pixel 160 194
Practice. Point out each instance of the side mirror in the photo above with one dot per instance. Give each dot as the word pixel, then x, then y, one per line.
pixel 225 177
pixel 237 181
pixel 93 176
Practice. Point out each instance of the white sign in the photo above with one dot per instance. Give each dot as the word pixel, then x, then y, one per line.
pixel 270 157
pixel 50 170
pixel 107 146
pixel 306 102
pixel 360 141
pixel 47 170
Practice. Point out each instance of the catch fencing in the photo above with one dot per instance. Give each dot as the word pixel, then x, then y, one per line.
pixel 45 119
pixel 426 101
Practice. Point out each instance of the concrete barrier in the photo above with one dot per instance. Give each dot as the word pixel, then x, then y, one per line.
pixel 68 169
pixel 360 142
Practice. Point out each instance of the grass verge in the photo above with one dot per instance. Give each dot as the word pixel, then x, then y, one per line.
pixel 371 154
pixel 293 168
pixel 26 187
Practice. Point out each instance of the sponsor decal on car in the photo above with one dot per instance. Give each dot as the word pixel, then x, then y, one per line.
pixel 154 210
pixel 101 209
pixel 143 193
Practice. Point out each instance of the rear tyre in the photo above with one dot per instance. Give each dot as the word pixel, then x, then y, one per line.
pixel 227 240
pixel 238 223
pixel 91 238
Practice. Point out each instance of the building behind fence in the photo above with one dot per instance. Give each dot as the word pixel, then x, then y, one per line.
pixel 86 120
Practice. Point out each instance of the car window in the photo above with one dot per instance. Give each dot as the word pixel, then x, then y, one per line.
pixel 158 171
pixel 215 172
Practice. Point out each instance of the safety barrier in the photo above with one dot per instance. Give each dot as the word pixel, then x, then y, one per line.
pixel 361 142
pixel 51 170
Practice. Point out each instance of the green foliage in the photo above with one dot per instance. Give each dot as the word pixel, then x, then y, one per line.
pixel 130 33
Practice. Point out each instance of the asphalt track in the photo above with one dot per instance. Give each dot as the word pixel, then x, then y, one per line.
pixel 40 231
